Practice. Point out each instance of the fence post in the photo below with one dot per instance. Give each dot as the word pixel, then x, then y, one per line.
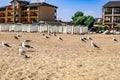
pixel 80 29
pixel 29 28
pixel 48 29
pixel 72 29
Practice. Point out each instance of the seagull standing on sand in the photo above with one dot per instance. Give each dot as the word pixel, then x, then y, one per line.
pixel 59 38
pixel 25 45
pixel 43 34
pixel 16 36
pixel 54 34
pixel 94 45
pixel 47 37
pixel 22 51
pixel 89 38
pixel 81 39
pixel 6 45
pixel 114 39
pixel 84 38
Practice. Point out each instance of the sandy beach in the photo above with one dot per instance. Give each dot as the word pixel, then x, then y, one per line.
pixel 52 59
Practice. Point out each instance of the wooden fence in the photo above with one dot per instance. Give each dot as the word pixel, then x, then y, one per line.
pixel 43 28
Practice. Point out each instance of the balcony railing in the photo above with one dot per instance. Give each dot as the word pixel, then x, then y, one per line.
pixel 2 16
pixel 24 15
pixel 33 15
pixel 118 21
pixel 116 12
pixel 108 12
pixel 9 15
pixel 107 21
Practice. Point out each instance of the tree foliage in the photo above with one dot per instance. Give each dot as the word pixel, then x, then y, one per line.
pixel 80 19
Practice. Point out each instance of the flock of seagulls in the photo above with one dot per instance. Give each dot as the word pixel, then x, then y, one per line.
pixel 24 44
pixel 54 34
pixel 92 43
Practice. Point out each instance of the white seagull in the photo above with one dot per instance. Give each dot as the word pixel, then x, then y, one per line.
pixel 114 39
pixel 16 36
pixel 25 45
pixel 59 38
pixel 81 39
pixel 22 51
pixel 94 45
pixel 6 45
pixel 84 38
pixel 89 38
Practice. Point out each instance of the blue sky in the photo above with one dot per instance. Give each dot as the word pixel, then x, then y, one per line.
pixel 67 8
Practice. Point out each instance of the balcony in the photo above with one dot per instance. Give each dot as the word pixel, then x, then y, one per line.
pixel 33 15
pixel 9 15
pixel 2 11
pixel 2 20
pixel 33 10
pixel 107 21
pixel 2 15
pixel 116 12
pixel 117 21
pixel 108 12
pixel 24 15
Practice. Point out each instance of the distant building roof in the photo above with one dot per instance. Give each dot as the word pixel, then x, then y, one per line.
pixel 3 7
pixel 39 4
pixel 20 1
pixel 112 4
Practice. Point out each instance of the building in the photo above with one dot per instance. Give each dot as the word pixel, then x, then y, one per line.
pixel 111 13
pixel 25 12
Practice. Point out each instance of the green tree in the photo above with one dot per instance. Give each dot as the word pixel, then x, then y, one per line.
pixel 89 21
pixel 80 19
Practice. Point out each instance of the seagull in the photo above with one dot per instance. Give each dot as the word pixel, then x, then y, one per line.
pixel 25 45
pixel 89 38
pixel 84 38
pixel 81 39
pixel 6 45
pixel 54 34
pixel 18 35
pixel 59 38
pixel 94 45
pixel 43 34
pixel 114 39
pixel 22 52
pixel 15 37
pixel 47 37
pixel 27 40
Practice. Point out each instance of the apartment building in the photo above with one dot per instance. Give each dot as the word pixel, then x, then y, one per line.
pixel 25 12
pixel 111 13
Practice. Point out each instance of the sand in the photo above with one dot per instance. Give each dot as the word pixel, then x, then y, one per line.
pixel 52 59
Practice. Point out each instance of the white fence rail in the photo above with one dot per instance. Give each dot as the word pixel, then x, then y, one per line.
pixel 43 28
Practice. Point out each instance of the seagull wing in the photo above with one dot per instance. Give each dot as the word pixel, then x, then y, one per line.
pixel 28 46
pixel 7 45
